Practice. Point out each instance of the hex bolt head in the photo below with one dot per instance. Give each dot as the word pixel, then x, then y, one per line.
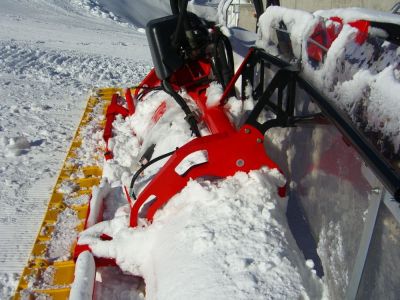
pixel 375 190
pixel 240 163
pixel 247 130
pixel 259 140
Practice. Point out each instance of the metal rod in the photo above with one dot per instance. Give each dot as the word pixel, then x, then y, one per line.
pixel 365 242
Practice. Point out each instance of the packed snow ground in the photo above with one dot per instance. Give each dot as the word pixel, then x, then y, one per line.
pixel 52 53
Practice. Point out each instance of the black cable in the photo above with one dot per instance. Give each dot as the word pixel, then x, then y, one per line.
pixel 179 34
pixel 223 59
pixel 174 6
pixel 258 6
pixel 190 118
pixel 228 64
pixel 146 90
pixel 144 87
pixel 273 3
pixel 143 167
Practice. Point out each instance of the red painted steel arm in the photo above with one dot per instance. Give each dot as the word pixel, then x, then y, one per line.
pixel 228 153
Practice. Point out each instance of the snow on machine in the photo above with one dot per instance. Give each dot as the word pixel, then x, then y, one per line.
pixel 192 58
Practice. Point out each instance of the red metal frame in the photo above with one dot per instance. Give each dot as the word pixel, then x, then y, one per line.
pixel 229 150
pixel 245 153
pixel 113 110
pixel 129 102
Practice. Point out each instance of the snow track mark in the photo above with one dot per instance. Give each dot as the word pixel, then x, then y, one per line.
pixel 76 68
pixel 96 9
pixel 14 227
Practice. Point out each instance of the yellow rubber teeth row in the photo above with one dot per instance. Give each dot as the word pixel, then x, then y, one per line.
pixel 44 275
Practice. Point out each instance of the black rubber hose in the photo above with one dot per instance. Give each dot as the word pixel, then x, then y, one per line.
pixel 146 90
pixel 143 167
pixel 258 6
pixel 174 6
pixel 190 118
pixel 273 3
pixel 228 62
pixel 179 34
pixel 223 60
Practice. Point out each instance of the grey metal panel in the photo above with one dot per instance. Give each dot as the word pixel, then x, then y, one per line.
pixel 381 276
pixel 327 180
pixel 335 188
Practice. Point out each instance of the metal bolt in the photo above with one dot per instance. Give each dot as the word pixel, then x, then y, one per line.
pixel 375 190
pixel 259 140
pixel 240 163
pixel 247 130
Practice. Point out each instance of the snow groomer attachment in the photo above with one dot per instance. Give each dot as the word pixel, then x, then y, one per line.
pixel 188 54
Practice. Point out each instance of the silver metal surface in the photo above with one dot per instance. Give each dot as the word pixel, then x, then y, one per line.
pixel 365 242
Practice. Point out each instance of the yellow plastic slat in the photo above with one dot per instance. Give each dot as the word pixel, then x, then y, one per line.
pixel 51 215
pixel 83 192
pixel 39 249
pixel 63 272
pixel 56 198
pixel 56 294
pixel 92 171
pixel 87 182
pixel 81 211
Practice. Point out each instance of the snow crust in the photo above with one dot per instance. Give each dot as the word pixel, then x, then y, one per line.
pixel 298 23
pixel 217 240
pixel 214 93
pixel 357 13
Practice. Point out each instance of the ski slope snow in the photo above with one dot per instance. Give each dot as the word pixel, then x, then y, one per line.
pixel 52 53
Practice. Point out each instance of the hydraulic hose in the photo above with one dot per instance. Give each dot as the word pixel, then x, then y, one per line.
pixel 179 34
pixel 143 167
pixel 223 60
pixel 190 118
pixel 174 6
